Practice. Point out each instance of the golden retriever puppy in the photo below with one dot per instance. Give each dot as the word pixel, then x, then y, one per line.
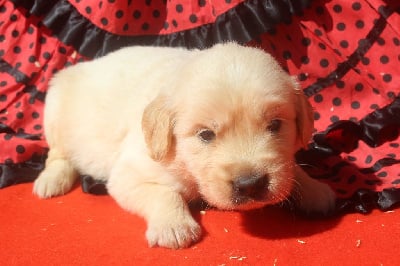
pixel 165 126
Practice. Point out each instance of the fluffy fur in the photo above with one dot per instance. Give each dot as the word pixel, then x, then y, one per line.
pixel 165 126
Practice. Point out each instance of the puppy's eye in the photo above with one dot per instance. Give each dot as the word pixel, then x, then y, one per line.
pixel 274 126
pixel 206 135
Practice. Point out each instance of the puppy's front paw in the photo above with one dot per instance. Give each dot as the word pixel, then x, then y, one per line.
pixel 47 186
pixel 55 180
pixel 179 233
pixel 316 197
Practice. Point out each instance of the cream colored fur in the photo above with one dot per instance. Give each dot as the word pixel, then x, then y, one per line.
pixel 135 118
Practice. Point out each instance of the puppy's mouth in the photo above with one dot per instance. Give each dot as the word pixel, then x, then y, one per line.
pixel 248 192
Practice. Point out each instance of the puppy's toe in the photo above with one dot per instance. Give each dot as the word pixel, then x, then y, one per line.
pixel 46 186
pixel 53 181
pixel 317 198
pixel 173 234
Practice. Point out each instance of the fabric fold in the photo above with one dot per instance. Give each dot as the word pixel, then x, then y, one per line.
pixel 241 24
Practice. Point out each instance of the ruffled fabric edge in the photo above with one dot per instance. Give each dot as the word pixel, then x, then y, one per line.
pixel 18 173
pixel 375 129
pixel 364 201
pixel 246 21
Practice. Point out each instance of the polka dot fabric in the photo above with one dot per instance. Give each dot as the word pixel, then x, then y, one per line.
pixel 152 17
pixel 29 58
pixel 345 55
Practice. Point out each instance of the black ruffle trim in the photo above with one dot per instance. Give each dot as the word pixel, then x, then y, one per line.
pixel 242 24
pixel 375 129
pixel 17 173
pixel 93 186
pixel 364 201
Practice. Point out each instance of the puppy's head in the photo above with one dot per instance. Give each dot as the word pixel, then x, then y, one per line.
pixel 233 125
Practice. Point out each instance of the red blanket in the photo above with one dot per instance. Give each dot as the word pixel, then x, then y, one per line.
pixel 346 55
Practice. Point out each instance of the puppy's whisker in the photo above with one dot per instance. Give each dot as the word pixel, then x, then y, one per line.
pixel 307 165
pixel 296 195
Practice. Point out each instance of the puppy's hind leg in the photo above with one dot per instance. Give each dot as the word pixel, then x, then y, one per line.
pixel 57 178
pixel 311 195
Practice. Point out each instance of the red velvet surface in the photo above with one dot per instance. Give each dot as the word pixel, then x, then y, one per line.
pixel 82 229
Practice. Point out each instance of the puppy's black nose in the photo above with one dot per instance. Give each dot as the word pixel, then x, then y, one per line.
pixel 250 186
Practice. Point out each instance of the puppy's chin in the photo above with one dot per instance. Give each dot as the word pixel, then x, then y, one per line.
pixel 251 205
pixel 274 193
pixel 223 190
pixel 246 204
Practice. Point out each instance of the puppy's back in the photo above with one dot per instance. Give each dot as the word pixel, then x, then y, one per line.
pixel 90 107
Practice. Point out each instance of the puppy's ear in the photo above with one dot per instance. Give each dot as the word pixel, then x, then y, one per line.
pixel 304 117
pixel 157 125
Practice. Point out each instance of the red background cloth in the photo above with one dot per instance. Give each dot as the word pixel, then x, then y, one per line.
pixel 82 229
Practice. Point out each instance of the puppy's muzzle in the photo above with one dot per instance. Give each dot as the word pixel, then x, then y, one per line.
pixel 249 188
